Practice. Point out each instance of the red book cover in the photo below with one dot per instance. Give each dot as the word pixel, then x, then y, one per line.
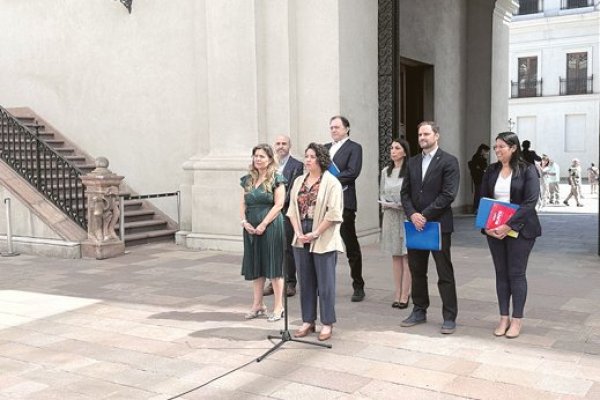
pixel 499 215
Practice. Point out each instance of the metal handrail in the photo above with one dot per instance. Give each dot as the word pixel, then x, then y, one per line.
pixel 57 178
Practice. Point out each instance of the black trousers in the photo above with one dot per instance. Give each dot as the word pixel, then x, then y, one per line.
pixel 510 256
pixel 289 253
pixel 348 233
pixel 418 263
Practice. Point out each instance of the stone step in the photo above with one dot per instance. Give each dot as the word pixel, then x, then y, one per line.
pixel 135 239
pixel 142 226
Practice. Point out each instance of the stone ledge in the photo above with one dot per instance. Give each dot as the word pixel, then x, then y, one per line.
pixel 42 246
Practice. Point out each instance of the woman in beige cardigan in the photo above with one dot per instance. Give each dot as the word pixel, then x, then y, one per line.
pixel 315 211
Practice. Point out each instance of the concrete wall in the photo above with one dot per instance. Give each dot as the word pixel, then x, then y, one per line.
pixel 435 33
pixel 118 85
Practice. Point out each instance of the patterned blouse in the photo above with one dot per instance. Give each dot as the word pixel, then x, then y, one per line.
pixel 307 198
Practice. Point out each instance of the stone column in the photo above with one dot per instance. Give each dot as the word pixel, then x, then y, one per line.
pixel 102 196
pixel 500 60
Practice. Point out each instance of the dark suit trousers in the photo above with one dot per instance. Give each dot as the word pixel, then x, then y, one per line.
pixel 418 264
pixel 348 233
pixel 510 257
pixel 289 253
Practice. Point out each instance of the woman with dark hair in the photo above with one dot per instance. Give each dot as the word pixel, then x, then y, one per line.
pixel 262 199
pixel 477 167
pixel 315 211
pixel 513 180
pixel 392 228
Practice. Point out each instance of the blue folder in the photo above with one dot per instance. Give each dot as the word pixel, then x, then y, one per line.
pixel 485 206
pixel 430 238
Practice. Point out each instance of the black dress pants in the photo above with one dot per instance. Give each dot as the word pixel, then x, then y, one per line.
pixel 418 264
pixel 290 277
pixel 348 233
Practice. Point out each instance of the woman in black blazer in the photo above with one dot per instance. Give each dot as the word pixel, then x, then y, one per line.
pixel 512 179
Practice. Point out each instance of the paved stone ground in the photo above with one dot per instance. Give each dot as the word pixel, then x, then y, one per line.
pixel 162 320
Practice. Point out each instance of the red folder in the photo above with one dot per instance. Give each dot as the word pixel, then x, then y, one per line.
pixel 499 215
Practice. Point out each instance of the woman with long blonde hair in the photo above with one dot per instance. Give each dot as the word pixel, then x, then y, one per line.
pixel 263 196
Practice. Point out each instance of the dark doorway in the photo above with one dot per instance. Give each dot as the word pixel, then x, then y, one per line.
pixel 416 98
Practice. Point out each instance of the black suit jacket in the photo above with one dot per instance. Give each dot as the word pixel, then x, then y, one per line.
pixel 348 159
pixel 524 191
pixel 293 169
pixel 433 195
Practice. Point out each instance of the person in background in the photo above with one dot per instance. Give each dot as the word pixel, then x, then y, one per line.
pixel 290 169
pixel 263 195
pixel 393 240
pixel 544 190
pixel 316 213
pixel 575 183
pixel 428 190
pixel 346 155
pixel 513 180
pixel 593 176
pixel 529 155
pixel 552 174
pixel 477 166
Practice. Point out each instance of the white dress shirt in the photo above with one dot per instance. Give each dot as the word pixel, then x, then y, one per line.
pixel 335 146
pixel 427 157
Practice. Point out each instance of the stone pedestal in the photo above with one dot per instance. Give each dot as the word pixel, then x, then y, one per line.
pixel 102 196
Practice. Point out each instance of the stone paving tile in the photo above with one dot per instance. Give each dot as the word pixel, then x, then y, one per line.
pixel 327 379
pixel 382 390
pixel 544 382
pixel 162 320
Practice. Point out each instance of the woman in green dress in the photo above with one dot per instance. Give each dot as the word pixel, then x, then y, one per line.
pixel 263 195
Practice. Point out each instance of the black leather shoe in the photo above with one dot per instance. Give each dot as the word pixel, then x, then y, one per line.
pixel 414 319
pixel 290 291
pixel 359 295
pixel 448 327
pixel 268 290
pixel 396 304
pixel 402 306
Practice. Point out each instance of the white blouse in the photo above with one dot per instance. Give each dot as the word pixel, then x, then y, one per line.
pixel 502 188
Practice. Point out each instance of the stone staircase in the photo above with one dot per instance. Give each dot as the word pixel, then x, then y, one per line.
pixel 143 222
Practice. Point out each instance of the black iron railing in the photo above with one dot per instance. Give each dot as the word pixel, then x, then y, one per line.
pixel 571 86
pixel 526 88
pixel 568 4
pixel 530 7
pixel 50 173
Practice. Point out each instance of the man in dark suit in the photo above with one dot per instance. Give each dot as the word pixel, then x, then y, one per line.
pixel 290 168
pixel 428 191
pixel 347 157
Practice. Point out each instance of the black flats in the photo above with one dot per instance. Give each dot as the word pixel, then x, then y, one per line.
pixel 400 305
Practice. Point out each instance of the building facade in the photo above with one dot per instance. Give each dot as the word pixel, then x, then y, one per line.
pixel 176 94
pixel 555 78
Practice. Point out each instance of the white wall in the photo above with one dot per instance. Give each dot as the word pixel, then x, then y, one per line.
pixel 118 85
pixel 550 36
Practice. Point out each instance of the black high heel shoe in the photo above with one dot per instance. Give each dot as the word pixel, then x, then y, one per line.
pixel 402 305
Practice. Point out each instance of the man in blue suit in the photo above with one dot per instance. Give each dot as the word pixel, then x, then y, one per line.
pixel 430 187
pixel 290 168
pixel 347 157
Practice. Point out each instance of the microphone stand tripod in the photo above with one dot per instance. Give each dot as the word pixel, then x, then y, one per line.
pixel 285 335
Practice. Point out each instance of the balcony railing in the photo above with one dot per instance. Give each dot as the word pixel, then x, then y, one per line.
pixel 530 7
pixel 568 4
pixel 530 88
pixel 576 86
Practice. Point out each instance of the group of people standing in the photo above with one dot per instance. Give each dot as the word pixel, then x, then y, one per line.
pixel 318 200
pixel 304 214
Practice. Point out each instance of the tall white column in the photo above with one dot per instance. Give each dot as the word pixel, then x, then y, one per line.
pixel 500 62
pixel 227 88
pixel 268 68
